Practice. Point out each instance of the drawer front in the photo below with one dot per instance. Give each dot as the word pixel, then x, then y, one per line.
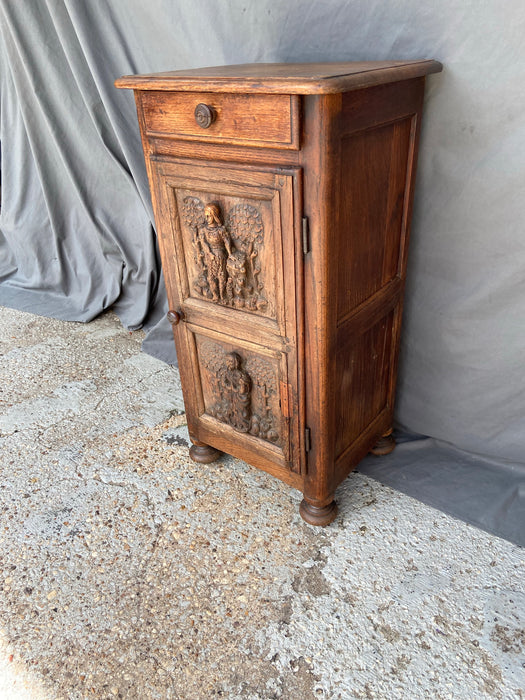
pixel 257 120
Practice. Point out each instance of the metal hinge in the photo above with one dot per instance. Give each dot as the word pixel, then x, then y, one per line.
pixel 307 438
pixel 306 235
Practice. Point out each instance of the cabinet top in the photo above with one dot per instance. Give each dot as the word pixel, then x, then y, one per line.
pixel 290 78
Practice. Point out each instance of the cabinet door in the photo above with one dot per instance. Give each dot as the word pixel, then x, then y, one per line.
pixel 232 262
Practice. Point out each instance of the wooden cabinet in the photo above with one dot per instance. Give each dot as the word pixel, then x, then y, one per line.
pixel 282 197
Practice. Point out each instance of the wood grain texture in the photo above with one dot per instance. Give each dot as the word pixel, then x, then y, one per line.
pixel 286 78
pixel 374 163
pixel 253 120
pixel 263 335
pixel 283 236
pixel 321 155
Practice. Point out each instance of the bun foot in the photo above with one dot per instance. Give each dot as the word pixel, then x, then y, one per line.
pixel 314 515
pixel 384 445
pixel 204 454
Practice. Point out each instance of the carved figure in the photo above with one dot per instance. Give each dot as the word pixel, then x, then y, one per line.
pixel 241 397
pixel 237 388
pixel 216 246
pixel 226 255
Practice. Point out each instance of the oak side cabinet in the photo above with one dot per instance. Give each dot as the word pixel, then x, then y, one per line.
pixel 282 196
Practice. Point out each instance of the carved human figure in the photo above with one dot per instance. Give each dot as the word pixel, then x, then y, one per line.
pixel 216 247
pixel 237 386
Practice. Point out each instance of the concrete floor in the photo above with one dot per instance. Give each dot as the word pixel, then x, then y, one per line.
pixel 130 572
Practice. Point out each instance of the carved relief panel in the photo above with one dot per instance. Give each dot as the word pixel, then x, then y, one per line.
pixel 226 251
pixel 241 389
pixel 229 249
pixel 231 246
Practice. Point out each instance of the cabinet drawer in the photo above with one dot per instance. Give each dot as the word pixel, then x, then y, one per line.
pixel 269 121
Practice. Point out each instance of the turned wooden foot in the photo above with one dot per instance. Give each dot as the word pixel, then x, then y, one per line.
pixel 314 515
pixel 204 454
pixel 384 445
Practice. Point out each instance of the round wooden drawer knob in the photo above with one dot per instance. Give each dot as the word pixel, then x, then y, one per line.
pixel 174 317
pixel 204 115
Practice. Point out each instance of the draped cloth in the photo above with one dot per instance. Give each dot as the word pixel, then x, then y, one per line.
pixel 76 227
pixel 76 234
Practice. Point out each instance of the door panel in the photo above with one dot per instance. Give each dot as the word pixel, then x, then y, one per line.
pixel 235 259
pixel 231 254
pixel 232 261
pixel 241 388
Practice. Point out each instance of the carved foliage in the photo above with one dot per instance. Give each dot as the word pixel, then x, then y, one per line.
pixel 242 391
pixel 226 255
pixel 264 390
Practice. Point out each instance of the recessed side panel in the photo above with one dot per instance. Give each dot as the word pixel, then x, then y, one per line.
pixel 373 194
pixel 363 365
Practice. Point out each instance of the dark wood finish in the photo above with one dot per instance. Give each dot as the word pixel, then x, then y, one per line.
pixel 286 78
pixel 253 120
pixel 204 115
pixel 385 445
pixel 283 224
pixel 314 515
pixel 204 454
pixel 175 317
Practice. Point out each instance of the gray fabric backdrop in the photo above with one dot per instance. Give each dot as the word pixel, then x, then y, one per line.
pixel 75 222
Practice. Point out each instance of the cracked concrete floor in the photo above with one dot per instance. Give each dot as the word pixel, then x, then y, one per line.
pixel 127 571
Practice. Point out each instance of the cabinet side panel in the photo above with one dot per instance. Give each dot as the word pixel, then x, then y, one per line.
pixel 377 155
pixel 373 183
pixel 363 366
